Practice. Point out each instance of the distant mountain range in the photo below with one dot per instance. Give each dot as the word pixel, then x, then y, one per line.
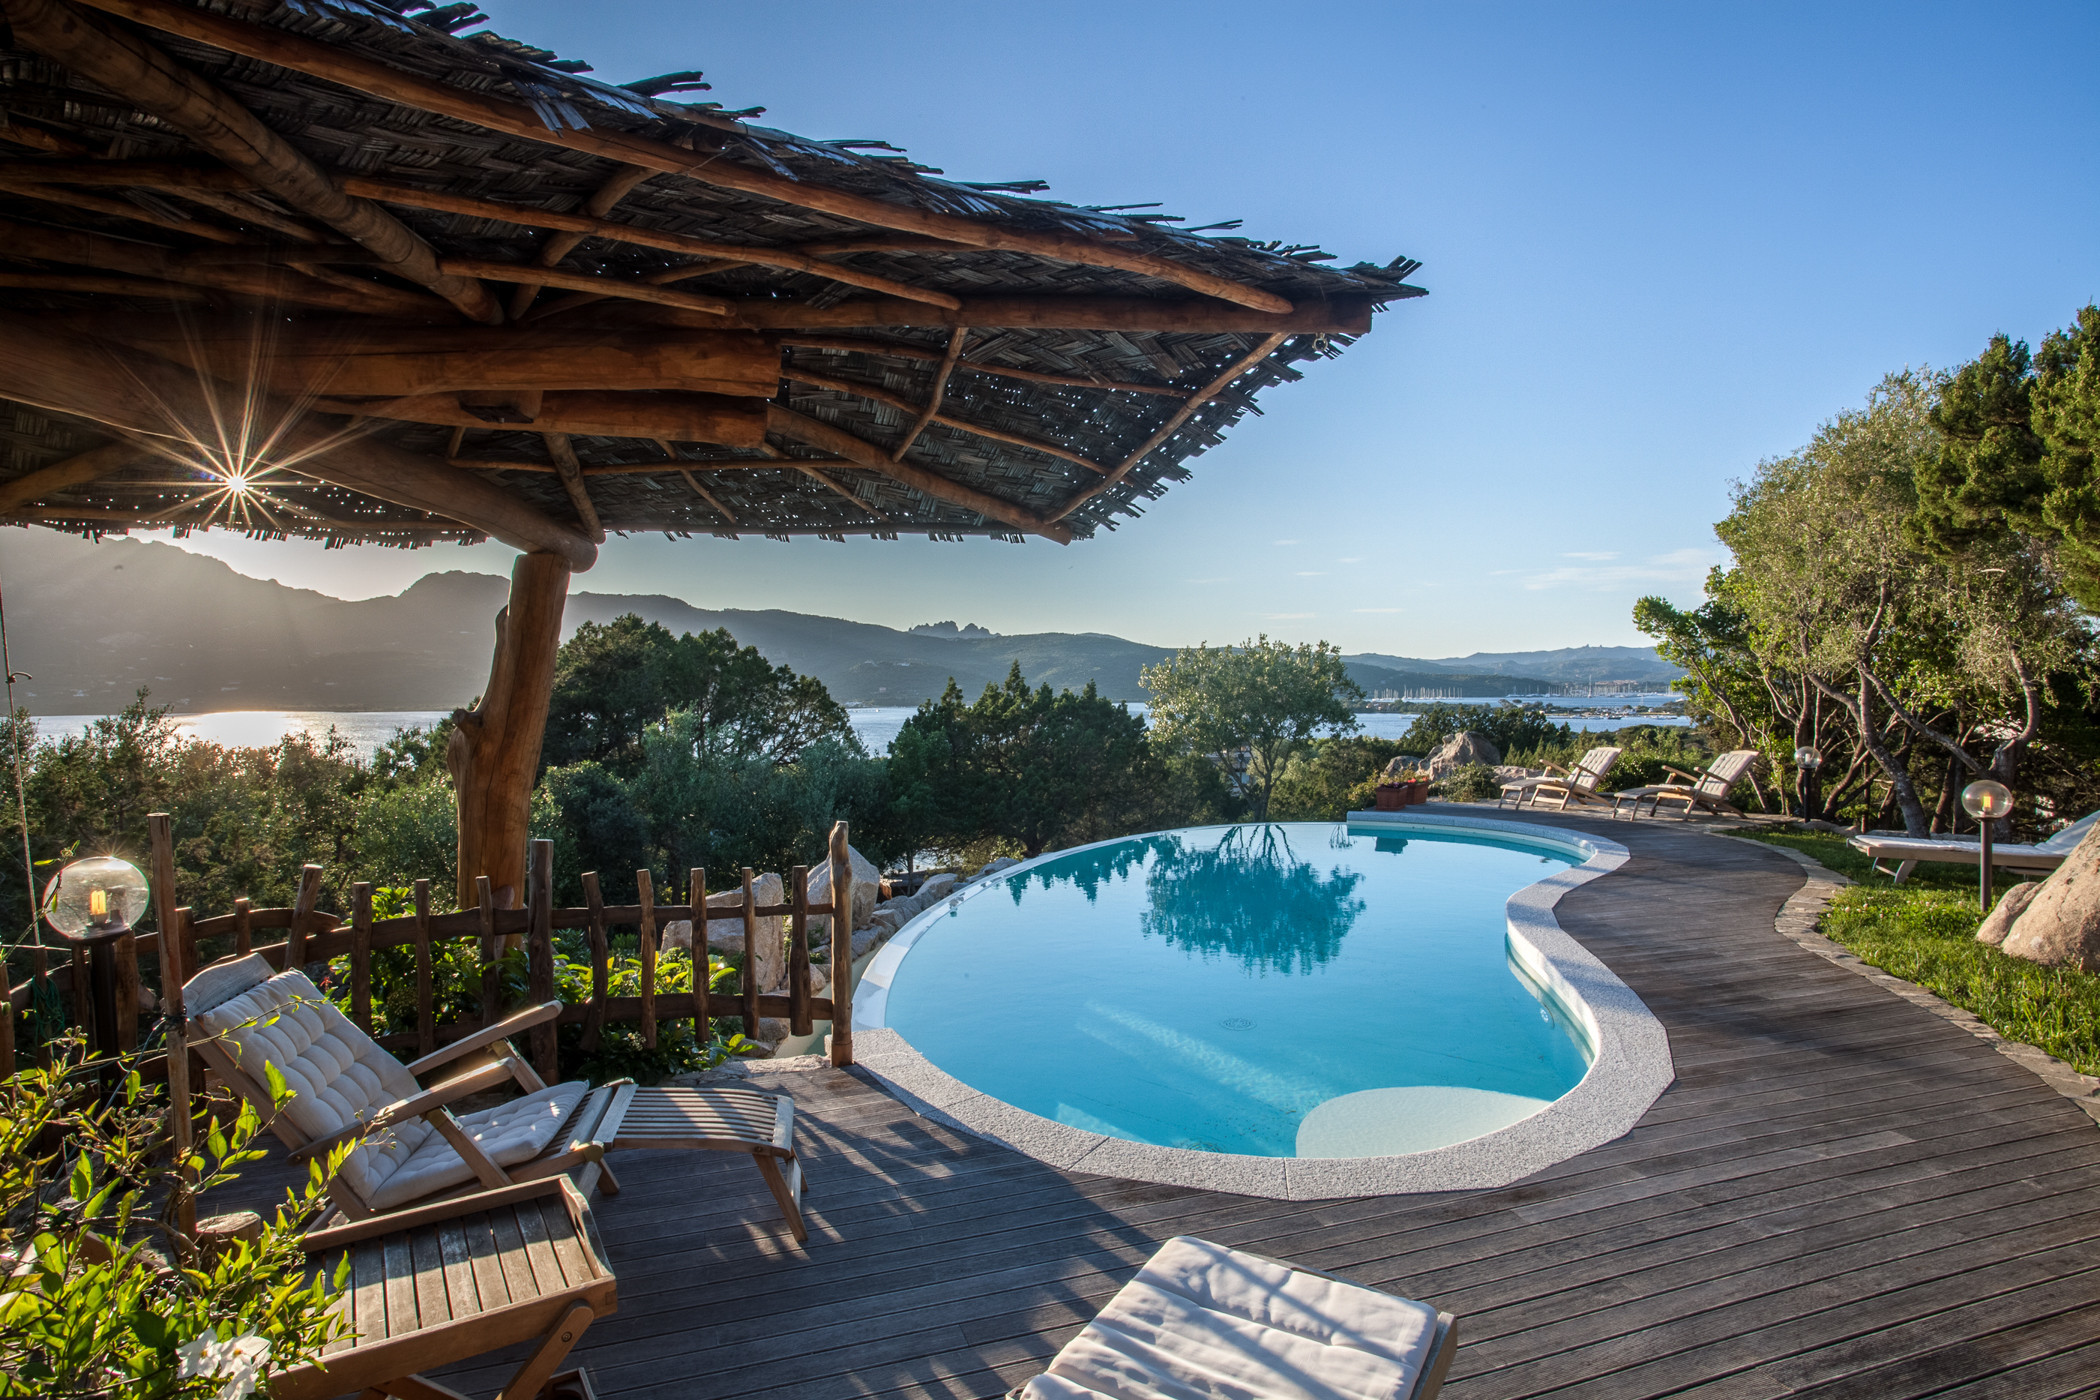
pixel 91 623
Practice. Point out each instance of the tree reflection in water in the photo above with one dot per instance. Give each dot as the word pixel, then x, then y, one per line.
pixel 1090 870
pixel 1250 897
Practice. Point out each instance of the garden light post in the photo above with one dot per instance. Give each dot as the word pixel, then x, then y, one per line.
pixel 1808 761
pixel 1985 800
pixel 90 904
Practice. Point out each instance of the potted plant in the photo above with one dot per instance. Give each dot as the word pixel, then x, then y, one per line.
pixel 1401 790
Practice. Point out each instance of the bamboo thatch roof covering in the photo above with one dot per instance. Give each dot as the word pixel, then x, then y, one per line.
pixel 458 288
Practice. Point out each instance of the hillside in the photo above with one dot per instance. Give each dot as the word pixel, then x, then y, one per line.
pixel 91 623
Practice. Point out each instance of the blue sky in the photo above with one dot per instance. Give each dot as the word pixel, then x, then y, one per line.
pixel 1661 241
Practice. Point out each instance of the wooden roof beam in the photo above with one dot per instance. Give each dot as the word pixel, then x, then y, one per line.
pixel 1173 424
pixel 571 473
pixel 526 217
pixel 122 63
pixel 902 351
pixel 95 464
pixel 824 437
pixel 600 204
pixel 1346 316
pixel 64 372
pixel 880 395
pixel 933 396
pixel 704 494
pixel 336 65
pixel 619 287
pixel 680 417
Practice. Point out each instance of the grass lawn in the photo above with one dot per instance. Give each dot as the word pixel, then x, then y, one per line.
pixel 1924 931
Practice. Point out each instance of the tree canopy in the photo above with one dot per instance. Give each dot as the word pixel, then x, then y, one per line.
pixel 1249 708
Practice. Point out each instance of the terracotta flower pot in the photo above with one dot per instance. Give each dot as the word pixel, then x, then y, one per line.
pixel 1390 797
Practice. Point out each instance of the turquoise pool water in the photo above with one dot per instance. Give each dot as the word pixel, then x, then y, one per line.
pixel 1289 990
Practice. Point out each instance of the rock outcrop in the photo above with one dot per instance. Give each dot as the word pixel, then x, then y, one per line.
pixel 867 886
pixel 1462 750
pixel 2061 921
pixel 1998 923
pixel 727 935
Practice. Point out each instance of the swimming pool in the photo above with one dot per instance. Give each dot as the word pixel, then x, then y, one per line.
pixel 1292 993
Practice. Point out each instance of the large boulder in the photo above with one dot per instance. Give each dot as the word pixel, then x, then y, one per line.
pixel 727 935
pixel 937 888
pixel 867 886
pixel 1462 750
pixel 2061 922
pixel 2008 909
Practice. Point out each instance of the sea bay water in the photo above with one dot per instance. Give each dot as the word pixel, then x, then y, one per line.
pixel 876 725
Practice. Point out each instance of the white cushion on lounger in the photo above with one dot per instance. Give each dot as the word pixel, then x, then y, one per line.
pixel 1202 1322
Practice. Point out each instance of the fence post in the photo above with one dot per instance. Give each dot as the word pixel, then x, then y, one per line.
pixel 645 891
pixel 601 954
pixel 361 955
pixel 491 998
pixel 750 958
pixel 540 955
pixel 697 893
pixel 426 999
pixel 841 949
pixel 172 973
pixel 799 1022
pixel 302 914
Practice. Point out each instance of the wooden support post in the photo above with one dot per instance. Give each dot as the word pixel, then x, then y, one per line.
pixel 7 1038
pixel 125 953
pixel 934 395
pixel 243 928
pixel 160 830
pixel 696 895
pixel 571 473
pixel 361 955
pixel 540 955
pixel 750 981
pixel 491 986
pixel 841 948
pixel 308 900
pixel 601 959
pixel 645 891
pixel 799 1022
pixel 426 999
pixel 494 752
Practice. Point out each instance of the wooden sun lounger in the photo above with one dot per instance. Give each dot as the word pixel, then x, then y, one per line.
pixel 1203 1320
pixel 1561 786
pixel 1706 790
pixel 410 1145
pixel 449 1282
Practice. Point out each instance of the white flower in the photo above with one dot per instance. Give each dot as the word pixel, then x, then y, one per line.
pixel 239 1363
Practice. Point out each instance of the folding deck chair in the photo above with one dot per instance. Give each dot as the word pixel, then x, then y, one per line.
pixel 1706 789
pixel 411 1147
pixel 1565 788
pixel 1203 1320
pixel 456 1280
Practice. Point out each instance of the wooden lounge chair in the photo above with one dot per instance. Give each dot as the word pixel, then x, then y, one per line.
pixel 1562 787
pixel 1908 851
pixel 1203 1320
pixel 1707 790
pixel 457 1280
pixel 411 1147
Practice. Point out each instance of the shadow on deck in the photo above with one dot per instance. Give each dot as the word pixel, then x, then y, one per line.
pixel 1842 1195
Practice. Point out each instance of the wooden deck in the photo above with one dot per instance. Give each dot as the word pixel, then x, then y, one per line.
pixel 1842 1195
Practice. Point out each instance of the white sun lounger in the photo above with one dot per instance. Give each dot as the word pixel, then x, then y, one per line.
pixel 1908 851
pixel 1203 1322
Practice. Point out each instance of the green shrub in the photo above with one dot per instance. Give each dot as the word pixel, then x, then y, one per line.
pixel 1476 782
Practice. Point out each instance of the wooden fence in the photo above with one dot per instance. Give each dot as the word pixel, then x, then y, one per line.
pixel 310 935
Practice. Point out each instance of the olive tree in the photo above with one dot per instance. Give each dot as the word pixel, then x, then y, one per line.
pixel 1249 708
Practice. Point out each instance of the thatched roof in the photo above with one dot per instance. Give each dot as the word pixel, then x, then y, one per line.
pixel 739 331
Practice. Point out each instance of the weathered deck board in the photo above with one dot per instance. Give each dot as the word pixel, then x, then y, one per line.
pixel 1842 1196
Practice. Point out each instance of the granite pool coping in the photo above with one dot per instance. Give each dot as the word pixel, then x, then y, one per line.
pixel 1630 1069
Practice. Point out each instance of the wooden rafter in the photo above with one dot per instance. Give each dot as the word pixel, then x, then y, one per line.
pixel 588 413
pixel 571 473
pixel 526 217
pixel 600 204
pixel 704 494
pixel 879 394
pixel 1343 316
pixel 206 520
pixel 20 240
pixel 334 65
pixel 933 395
pixel 64 372
pixel 115 208
pixel 800 427
pixel 92 465
pixel 899 350
pixel 102 286
pixel 1173 424
pixel 619 287
pixel 121 62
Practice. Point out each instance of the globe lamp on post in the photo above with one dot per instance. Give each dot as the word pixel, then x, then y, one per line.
pixel 1808 760
pixel 91 904
pixel 1986 800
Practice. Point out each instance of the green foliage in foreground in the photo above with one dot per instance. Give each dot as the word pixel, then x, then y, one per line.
pixel 1927 935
